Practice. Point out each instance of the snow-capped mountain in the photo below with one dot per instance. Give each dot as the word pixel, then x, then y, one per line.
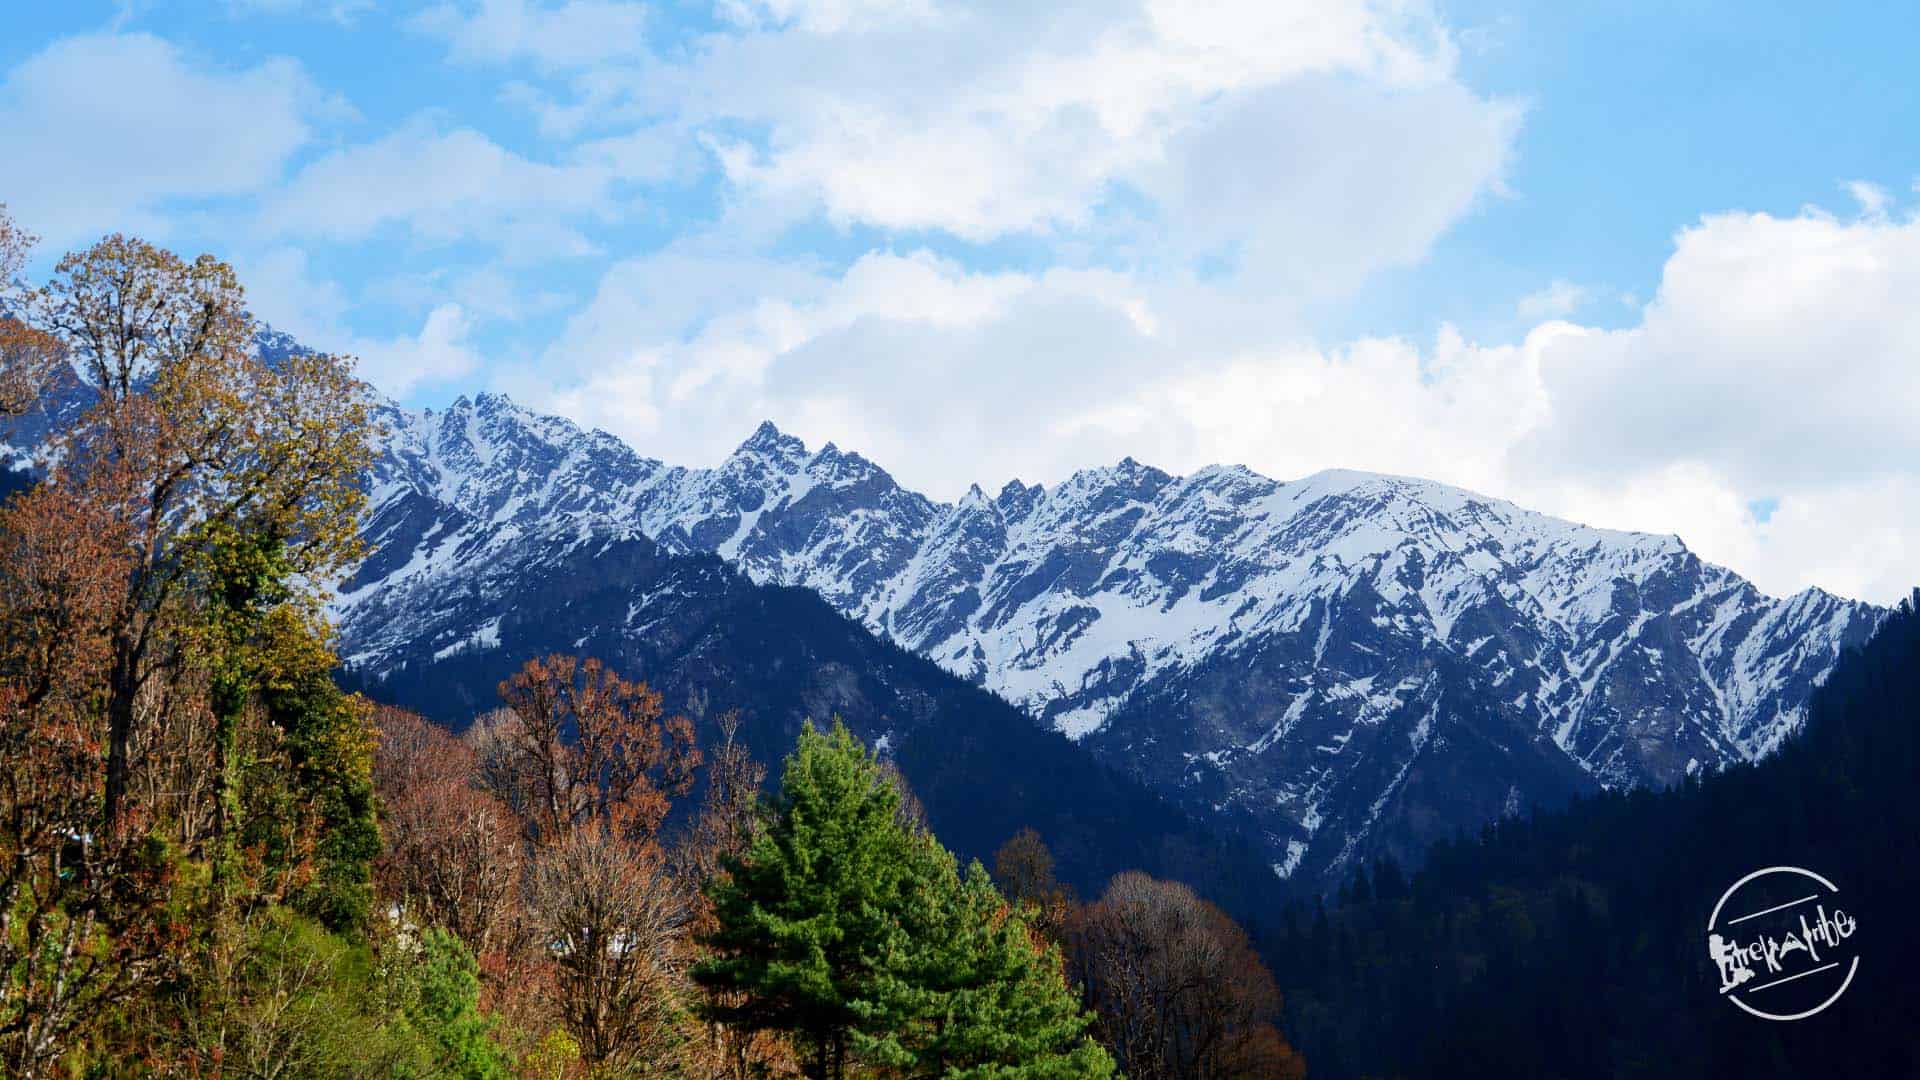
pixel 1347 664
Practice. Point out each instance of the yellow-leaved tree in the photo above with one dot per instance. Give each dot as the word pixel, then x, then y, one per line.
pixel 174 756
pixel 238 479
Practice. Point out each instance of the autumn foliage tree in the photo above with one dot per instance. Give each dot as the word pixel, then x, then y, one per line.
pixel 579 744
pixel 195 820
pixel 236 480
pixel 29 356
pixel 173 752
pixel 1023 869
pixel 1177 987
pixel 452 852
pixel 537 839
pixel 82 918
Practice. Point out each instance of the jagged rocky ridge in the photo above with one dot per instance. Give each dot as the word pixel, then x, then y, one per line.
pixel 710 640
pixel 1344 665
pixel 518 585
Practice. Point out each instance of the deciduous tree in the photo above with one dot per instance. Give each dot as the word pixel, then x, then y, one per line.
pixel 83 923
pixel 615 922
pixel 452 851
pixel 166 705
pixel 28 356
pixel 237 480
pixel 1176 985
pixel 1023 869
pixel 583 744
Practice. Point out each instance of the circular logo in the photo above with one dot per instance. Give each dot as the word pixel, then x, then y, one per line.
pixel 1782 944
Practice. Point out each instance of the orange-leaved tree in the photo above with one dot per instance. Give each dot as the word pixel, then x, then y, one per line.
pixel 585 746
pixel 28 356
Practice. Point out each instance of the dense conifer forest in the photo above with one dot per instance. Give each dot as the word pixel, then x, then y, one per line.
pixel 1573 943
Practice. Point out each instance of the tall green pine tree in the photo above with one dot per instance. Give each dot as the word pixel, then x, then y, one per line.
pixel 974 995
pixel 862 939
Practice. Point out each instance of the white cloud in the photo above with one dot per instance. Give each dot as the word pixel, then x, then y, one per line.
pixel 1190 180
pixel 1556 300
pixel 283 290
pixel 686 353
pixel 101 131
pixel 1779 349
pixel 1774 364
pixel 822 16
pixel 1873 199
pixel 1321 140
pixel 441 186
pixel 439 353
pixel 484 293
pixel 569 35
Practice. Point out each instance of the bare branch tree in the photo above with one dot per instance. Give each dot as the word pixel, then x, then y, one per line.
pixel 616 922
pixel 1177 988
pixel 452 851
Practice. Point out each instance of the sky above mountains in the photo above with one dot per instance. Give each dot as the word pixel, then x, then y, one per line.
pixel 1649 268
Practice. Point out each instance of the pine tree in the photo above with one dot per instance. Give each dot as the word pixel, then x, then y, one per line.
pixel 975 995
pixel 807 920
pixel 858 935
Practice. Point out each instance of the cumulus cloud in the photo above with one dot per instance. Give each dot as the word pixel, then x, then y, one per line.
pixel 569 35
pixel 1557 299
pixel 1779 349
pixel 1297 148
pixel 284 290
pixel 440 186
pixel 1774 366
pixel 1179 186
pixel 114 126
pixel 438 353
pixel 1324 140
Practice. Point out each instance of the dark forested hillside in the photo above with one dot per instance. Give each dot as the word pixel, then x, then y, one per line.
pixel 712 641
pixel 1573 944
pixel 1342 666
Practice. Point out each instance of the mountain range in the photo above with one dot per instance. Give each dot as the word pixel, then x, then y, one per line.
pixel 1338 667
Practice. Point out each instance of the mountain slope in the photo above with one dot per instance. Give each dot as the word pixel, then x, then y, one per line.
pixel 710 640
pixel 1349 664
pixel 1574 944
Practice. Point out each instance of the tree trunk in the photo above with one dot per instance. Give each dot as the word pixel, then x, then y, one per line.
pixel 122 685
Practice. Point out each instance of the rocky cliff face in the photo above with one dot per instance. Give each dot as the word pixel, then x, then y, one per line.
pixel 1346 664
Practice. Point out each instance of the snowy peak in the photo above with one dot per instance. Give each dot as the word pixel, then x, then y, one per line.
pixel 1307 657
pixel 497 460
pixel 769 443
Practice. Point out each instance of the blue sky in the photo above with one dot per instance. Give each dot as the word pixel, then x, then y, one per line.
pixel 1646 265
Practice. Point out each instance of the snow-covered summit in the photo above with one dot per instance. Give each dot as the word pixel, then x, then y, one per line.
pixel 1133 608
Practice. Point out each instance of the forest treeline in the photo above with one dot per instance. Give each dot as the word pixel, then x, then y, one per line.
pixel 214 862
pixel 1574 943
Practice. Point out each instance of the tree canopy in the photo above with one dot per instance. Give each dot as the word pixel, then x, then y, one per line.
pixel 859 935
